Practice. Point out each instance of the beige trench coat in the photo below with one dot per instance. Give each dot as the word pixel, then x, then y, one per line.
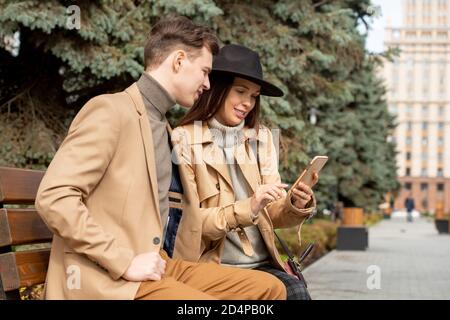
pixel 210 208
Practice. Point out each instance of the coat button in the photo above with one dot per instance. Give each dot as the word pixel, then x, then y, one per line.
pixel 156 241
pixel 218 186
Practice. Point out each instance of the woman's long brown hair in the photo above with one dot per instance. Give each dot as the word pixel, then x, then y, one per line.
pixel 212 100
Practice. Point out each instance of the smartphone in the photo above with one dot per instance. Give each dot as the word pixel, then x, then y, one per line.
pixel 315 165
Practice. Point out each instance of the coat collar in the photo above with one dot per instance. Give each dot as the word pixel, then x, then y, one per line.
pixel 206 136
pixel 200 136
pixel 158 100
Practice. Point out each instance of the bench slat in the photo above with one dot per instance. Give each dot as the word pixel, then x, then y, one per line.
pixel 23 269
pixel 19 186
pixel 22 226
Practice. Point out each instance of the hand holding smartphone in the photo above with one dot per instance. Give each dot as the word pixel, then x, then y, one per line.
pixel 314 166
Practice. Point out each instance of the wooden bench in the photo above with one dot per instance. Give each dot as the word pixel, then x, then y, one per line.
pixel 21 225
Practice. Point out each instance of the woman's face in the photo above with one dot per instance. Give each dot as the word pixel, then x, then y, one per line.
pixel 238 103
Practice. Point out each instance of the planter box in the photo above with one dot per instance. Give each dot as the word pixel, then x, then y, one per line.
pixel 353 217
pixel 352 238
pixel 441 225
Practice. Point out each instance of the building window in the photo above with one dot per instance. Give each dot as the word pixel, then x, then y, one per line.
pixel 424 141
pixel 441 126
pixel 441 110
pixel 408 185
pixel 425 204
pixel 408 156
pixel 440 172
pixel 440 187
pixel 440 141
pixel 410 91
pixel 424 125
pixel 408 110
pixel 442 35
pixel 440 157
pixel 424 156
pixel 409 125
pixel 423 172
pixel 408 141
pixel 408 172
pixel 424 110
pixel 395 79
pixel 393 109
pixel 424 186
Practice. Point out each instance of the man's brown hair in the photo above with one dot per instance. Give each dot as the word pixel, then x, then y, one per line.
pixel 177 33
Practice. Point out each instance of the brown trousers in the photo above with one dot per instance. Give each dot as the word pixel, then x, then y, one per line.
pixel 185 280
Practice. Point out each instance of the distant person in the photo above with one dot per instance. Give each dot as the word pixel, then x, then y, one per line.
pixel 338 211
pixel 409 205
pixel 392 204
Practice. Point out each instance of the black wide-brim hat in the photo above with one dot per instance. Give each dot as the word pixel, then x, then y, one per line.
pixel 243 62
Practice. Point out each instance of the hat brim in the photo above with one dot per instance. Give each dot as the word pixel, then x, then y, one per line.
pixel 267 89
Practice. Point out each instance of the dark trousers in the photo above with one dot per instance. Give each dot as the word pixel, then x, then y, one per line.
pixel 296 289
pixel 409 215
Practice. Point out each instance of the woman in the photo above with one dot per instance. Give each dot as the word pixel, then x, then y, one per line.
pixel 234 197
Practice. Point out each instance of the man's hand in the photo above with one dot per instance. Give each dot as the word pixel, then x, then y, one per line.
pixel 302 194
pixel 146 266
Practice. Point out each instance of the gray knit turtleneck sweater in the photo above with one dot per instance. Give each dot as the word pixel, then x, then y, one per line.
pixel 158 102
pixel 227 139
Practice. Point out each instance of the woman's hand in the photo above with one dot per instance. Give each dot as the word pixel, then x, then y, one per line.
pixel 302 194
pixel 265 194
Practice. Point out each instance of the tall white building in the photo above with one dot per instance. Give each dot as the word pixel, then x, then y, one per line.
pixel 419 95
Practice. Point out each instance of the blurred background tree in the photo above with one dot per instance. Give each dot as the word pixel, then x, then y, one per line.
pixel 313 49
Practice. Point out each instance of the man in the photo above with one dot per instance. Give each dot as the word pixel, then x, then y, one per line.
pixel 409 205
pixel 105 194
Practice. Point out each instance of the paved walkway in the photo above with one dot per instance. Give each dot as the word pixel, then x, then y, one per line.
pixel 412 259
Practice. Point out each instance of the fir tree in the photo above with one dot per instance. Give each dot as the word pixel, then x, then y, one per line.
pixel 310 48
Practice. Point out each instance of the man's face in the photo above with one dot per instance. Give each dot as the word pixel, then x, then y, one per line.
pixel 193 78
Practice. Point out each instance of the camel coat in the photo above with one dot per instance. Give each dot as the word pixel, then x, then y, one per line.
pixel 99 197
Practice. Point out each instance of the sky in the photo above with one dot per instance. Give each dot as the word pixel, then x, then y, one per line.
pixel 389 9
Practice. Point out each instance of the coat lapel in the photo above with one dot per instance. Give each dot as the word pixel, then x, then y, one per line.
pixel 147 139
pixel 247 161
pixel 210 152
pixel 244 155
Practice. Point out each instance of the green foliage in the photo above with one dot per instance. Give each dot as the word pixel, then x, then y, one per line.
pixel 312 49
pixel 372 219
